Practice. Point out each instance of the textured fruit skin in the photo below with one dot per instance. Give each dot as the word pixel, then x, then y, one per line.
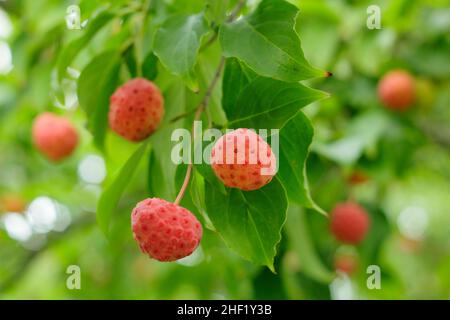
pixel 349 222
pixel 396 90
pixel 54 136
pixel 136 109
pixel 165 231
pixel 242 159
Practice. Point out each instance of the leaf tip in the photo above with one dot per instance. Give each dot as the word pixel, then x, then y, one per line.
pixel 272 268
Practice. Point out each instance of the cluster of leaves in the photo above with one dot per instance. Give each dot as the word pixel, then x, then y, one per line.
pixel 260 90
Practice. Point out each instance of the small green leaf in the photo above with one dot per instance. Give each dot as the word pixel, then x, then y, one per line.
pixel 95 85
pixel 111 196
pixel 177 43
pixel 249 222
pixel 73 48
pixel 268 43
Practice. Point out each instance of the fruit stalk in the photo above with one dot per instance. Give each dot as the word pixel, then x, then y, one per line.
pixel 205 101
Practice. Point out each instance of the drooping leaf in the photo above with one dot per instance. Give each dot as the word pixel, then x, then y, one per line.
pixel 300 240
pixel 295 139
pixel 111 196
pixel 249 222
pixel 177 43
pixel 73 48
pixel 268 43
pixel 96 84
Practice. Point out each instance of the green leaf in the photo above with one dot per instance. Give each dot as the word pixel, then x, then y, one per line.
pixel 299 238
pixel 177 43
pixel 249 222
pixel 216 10
pixel 268 43
pixel 73 48
pixel 268 103
pixel 111 196
pixel 295 139
pixel 95 85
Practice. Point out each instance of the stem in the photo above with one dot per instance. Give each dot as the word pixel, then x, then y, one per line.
pixel 236 10
pixel 205 101
pixel 231 18
pixel 198 112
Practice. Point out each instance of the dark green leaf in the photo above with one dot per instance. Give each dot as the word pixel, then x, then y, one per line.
pixel 249 222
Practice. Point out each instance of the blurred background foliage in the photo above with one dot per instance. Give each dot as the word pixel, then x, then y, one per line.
pixel 396 165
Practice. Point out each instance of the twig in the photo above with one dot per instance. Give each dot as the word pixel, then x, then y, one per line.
pixel 198 112
pixel 236 10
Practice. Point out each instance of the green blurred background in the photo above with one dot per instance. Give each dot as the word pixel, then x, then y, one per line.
pixel 48 223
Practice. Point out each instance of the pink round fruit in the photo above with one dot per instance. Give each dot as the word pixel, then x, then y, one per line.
pixel 349 222
pixel 136 109
pixel 396 90
pixel 165 231
pixel 54 136
pixel 242 159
